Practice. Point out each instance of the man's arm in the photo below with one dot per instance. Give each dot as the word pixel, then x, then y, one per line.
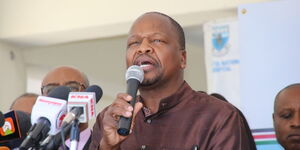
pixel 231 134
pixel 97 132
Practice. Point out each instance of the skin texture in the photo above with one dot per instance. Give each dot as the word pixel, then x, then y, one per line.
pixel 24 103
pixel 154 45
pixel 62 75
pixel 286 117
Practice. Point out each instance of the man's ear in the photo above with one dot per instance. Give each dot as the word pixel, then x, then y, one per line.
pixel 183 59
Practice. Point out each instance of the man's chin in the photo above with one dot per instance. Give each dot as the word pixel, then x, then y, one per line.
pixel 148 83
pixel 293 146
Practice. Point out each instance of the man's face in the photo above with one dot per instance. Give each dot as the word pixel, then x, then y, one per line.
pixel 153 44
pixel 65 76
pixel 286 118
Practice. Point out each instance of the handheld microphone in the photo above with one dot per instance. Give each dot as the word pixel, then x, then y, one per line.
pixel 47 114
pixel 81 105
pixel 54 141
pixel 78 105
pixel 134 76
pixel 16 125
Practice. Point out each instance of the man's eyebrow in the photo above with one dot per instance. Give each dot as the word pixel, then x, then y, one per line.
pixel 53 84
pixel 151 34
pixel 69 82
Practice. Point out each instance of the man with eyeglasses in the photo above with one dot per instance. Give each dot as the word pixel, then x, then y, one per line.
pixel 77 82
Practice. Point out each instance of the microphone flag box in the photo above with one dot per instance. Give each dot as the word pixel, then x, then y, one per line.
pixel 51 108
pixel 84 100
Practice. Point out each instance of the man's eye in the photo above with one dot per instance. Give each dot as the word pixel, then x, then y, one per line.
pixel 133 43
pixel 286 116
pixel 74 89
pixel 157 41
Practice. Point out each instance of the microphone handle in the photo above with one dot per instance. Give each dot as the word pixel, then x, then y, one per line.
pixel 74 137
pixel 37 133
pixel 125 123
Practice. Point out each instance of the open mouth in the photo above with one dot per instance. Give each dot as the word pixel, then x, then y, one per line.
pixel 144 61
pixel 144 64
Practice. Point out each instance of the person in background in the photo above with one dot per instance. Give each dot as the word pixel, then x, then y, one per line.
pixel 24 102
pixel 77 82
pixel 286 117
pixel 170 114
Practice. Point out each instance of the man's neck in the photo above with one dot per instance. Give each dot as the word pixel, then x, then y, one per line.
pixel 153 96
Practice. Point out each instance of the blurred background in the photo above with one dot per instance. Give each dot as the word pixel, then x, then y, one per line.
pixel 38 35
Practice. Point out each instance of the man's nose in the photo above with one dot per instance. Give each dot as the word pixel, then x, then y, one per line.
pixel 295 122
pixel 145 47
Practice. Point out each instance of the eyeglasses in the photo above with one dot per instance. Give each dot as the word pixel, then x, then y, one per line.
pixel 73 85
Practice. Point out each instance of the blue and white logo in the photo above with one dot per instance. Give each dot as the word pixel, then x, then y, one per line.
pixel 220 38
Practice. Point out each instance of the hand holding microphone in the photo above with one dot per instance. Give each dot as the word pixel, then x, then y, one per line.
pixel 118 119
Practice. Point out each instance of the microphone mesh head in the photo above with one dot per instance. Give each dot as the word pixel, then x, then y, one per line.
pixel 135 72
pixel 61 92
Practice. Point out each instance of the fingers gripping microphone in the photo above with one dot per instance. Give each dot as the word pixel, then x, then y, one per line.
pixel 81 105
pixel 47 114
pixel 134 76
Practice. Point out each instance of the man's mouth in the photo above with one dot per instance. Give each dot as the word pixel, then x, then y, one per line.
pixel 294 137
pixel 145 62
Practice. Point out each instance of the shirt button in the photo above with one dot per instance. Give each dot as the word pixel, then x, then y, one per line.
pixel 143 147
pixel 149 121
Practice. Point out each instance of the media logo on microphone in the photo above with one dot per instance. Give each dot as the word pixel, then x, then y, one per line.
pixel 8 127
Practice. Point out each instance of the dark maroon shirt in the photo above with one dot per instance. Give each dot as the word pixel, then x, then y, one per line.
pixel 186 120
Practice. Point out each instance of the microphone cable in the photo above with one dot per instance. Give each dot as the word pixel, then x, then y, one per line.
pixel 63 138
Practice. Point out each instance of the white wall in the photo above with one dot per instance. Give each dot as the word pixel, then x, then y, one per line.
pixel 47 22
pixel 12 72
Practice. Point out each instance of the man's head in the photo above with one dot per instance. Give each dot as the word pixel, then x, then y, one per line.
pixel 156 43
pixel 24 102
pixel 66 76
pixel 286 117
